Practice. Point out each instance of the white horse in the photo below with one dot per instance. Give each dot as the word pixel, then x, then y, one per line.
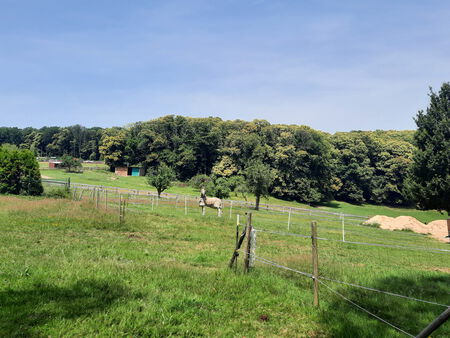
pixel 212 202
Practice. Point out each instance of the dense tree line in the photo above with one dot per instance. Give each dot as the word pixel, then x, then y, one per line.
pixel 304 164
pixel 76 141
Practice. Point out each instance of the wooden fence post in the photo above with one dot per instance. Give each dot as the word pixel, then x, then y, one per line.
pixel 185 205
pixel 315 262
pixel 97 197
pixel 448 228
pixel 106 199
pixel 435 324
pixel 249 243
pixel 343 227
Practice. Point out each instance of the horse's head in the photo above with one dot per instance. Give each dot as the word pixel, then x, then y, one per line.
pixel 203 192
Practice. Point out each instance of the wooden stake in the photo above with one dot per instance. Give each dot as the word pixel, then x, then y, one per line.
pixel 249 243
pixel 106 199
pixel 315 262
pixel 97 197
pixel 435 324
pixel 185 205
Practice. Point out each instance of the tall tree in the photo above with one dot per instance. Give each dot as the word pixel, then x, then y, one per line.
pixel 429 180
pixel 112 146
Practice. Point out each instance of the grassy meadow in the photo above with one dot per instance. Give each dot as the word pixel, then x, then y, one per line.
pixel 69 269
pixel 106 178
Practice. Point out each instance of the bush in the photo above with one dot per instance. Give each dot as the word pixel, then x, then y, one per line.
pixel 56 192
pixel 239 186
pixel 218 187
pixel 19 172
pixel 198 181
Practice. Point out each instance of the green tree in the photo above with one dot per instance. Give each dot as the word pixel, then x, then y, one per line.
pixel 19 172
pixel 429 179
pixel 161 177
pixel 259 179
pixel 218 187
pixel 112 146
pixel 70 163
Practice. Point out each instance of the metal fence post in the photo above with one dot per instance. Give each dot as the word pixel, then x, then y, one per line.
pixel 249 243
pixel 315 262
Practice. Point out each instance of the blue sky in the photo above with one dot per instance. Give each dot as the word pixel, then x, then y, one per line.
pixel 332 65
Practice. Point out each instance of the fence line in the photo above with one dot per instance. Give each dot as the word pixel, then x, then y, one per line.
pixel 263 206
pixel 436 250
pixel 365 310
pixel 306 274
pixel 320 280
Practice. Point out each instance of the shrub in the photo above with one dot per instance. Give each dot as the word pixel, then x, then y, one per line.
pixel 57 192
pixel 198 181
pixel 19 172
pixel 218 187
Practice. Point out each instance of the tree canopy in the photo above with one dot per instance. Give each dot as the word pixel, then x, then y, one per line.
pixel 429 180
pixel 161 177
pixel 308 166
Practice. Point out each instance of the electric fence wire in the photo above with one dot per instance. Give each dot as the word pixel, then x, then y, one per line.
pixel 365 310
pixel 414 248
pixel 384 292
pixel 266 261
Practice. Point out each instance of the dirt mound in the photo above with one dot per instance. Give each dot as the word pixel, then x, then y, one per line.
pixel 380 220
pixel 437 229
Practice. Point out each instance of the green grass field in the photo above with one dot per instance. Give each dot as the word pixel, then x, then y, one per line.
pixel 106 178
pixel 69 269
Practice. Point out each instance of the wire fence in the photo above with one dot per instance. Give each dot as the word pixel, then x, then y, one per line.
pixel 323 279
pixel 344 229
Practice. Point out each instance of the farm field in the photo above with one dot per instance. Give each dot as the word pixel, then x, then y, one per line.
pixel 106 178
pixel 71 269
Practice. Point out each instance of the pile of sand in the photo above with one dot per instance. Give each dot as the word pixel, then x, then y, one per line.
pixel 437 229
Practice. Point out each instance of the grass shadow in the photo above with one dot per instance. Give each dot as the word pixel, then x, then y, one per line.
pixel 345 320
pixel 22 311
